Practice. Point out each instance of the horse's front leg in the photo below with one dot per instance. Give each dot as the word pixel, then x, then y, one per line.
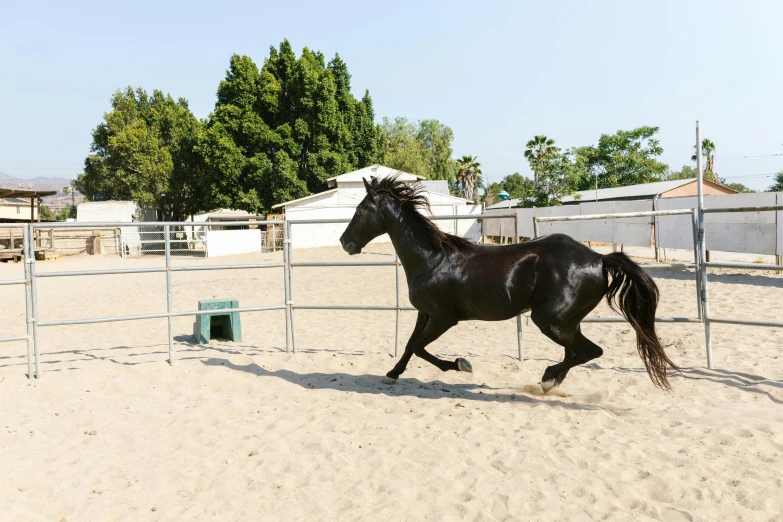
pixel 399 368
pixel 434 329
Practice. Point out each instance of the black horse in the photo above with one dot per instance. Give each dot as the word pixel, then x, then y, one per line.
pixel 556 277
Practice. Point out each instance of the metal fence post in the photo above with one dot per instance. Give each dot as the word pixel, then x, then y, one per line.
pixel 535 227
pixel 520 341
pixel 291 284
pixel 697 260
pixel 397 312
pixel 28 302
pixel 703 249
pixel 167 244
pixel 286 269
pixel 34 301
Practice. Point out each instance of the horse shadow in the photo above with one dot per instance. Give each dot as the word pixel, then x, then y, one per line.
pixel 405 387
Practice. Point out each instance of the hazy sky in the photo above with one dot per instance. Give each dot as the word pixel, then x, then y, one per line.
pixel 496 72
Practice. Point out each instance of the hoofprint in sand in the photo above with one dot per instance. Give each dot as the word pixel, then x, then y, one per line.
pixel 248 432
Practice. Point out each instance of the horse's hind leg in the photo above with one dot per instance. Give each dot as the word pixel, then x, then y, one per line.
pixel 578 350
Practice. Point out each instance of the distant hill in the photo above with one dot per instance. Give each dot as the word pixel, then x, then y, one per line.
pixel 39 183
pixel 42 183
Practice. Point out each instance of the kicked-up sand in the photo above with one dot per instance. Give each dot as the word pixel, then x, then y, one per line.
pixel 246 431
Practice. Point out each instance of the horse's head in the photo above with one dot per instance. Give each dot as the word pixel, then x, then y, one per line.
pixel 367 223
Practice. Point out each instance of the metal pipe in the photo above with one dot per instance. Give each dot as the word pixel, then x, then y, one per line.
pixel 765 208
pixel 703 247
pixel 747 266
pixel 397 303
pixel 141 317
pixel 770 324
pixel 291 284
pixel 157 224
pixel 159 270
pixel 28 304
pixel 668 266
pixel 34 301
pixel 286 268
pixel 352 307
pixel 520 342
pixel 169 303
pixel 696 250
pixel 432 218
pixel 657 320
pixel 620 215
pixel 341 263
pixel 17 281
pixel 535 227
pixel 228 310
pixel 20 338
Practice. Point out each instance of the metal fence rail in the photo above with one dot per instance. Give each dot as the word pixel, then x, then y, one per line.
pixel 667 266
pixel 708 318
pixel 168 269
pixel 34 321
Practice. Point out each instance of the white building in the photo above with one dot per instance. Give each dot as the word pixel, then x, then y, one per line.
pixel 347 191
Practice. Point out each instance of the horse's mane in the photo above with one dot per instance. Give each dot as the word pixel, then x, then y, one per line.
pixel 412 198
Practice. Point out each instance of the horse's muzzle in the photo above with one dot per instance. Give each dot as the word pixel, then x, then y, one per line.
pixel 350 247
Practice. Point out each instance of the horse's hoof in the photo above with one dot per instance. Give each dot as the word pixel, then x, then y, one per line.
pixel 548 385
pixel 389 380
pixel 464 365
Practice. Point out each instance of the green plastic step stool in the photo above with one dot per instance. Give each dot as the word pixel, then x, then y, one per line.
pixel 222 325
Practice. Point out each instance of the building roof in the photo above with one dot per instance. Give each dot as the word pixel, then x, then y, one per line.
pixel 376 171
pixel 641 191
pixel 632 191
pixel 311 196
pixel 25 194
pixel 14 201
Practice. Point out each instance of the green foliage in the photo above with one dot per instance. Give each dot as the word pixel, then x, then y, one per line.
pixel 558 179
pixel 143 151
pixel 620 159
pixel 279 132
pixel 517 187
pixel 468 177
pixel 66 213
pixel 739 187
pixel 422 148
pixel 688 172
pixel 777 186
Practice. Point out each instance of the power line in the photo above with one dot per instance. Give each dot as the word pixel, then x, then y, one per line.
pixel 749 156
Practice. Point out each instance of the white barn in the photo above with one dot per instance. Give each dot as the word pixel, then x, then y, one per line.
pixel 347 191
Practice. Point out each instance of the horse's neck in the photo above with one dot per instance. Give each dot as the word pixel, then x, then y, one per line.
pixel 410 240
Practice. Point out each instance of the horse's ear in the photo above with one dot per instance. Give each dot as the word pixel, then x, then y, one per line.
pixel 367 185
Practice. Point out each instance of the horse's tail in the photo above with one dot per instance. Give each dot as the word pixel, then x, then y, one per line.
pixel 634 294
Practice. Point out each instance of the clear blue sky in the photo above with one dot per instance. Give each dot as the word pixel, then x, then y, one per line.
pixel 496 72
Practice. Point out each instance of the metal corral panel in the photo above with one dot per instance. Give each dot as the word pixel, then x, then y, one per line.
pixel 779 225
pixel 631 231
pixel 746 232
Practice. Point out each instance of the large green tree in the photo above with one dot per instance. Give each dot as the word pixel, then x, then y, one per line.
pixel 143 151
pixel 422 148
pixel 620 159
pixel 278 132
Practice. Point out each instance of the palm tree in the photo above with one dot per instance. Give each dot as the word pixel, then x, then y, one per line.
pixel 539 150
pixel 469 177
pixel 708 151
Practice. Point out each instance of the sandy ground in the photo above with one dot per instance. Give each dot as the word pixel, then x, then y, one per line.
pixel 247 432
